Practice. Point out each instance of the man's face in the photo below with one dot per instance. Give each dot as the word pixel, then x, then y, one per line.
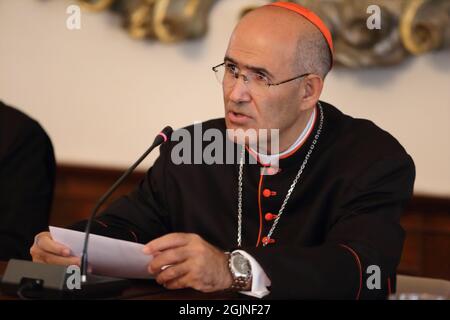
pixel 257 49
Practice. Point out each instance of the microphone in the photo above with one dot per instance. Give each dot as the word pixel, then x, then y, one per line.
pixel 163 136
pixel 50 281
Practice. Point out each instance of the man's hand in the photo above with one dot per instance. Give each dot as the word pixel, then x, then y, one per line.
pixel 183 260
pixel 46 250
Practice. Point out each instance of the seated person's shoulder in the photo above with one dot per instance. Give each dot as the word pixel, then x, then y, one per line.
pixel 216 124
pixel 17 128
pixel 358 144
pixel 364 136
pixel 378 140
pixel 196 132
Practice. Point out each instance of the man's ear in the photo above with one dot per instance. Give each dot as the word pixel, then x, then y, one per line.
pixel 312 89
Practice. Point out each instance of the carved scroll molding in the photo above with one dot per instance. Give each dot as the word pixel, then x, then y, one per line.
pixel 407 27
pixel 163 20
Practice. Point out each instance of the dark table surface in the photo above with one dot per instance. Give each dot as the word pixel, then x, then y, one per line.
pixel 150 290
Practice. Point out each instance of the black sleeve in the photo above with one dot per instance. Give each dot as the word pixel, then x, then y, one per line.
pixel 139 216
pixel 26 189
pixel 365 232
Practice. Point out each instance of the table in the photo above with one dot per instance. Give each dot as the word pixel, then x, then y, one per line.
pixel 150 290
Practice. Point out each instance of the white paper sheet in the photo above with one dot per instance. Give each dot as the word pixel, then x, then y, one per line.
pixel 107 256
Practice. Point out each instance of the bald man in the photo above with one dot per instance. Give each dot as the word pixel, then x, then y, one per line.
pixel 315 225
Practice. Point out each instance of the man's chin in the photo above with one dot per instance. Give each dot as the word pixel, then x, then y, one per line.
pixel 232 126
pixel 241 134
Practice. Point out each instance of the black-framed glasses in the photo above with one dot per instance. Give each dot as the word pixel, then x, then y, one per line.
pixel 228 73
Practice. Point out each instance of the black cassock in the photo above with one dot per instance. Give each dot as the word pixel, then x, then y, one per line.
pixel 27 174
pixel 342 217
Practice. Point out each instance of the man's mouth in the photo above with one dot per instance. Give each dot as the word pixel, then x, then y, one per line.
pixel 237 118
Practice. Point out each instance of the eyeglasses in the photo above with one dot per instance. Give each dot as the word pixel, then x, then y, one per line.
pixel 228 73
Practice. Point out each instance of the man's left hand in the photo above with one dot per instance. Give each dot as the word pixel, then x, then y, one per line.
pixel 183 260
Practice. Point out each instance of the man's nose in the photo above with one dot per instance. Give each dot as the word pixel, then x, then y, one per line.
pixel 239 90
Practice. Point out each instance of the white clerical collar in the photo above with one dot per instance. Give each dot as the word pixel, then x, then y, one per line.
pixel 266 159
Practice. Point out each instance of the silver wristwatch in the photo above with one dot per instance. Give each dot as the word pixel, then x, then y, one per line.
pixel 241 271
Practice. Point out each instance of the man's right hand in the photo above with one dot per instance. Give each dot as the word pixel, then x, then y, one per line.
pixel 46 250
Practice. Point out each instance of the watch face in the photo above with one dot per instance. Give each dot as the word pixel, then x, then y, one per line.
pixel 240 264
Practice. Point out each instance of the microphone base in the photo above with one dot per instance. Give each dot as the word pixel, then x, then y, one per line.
pixel 30 280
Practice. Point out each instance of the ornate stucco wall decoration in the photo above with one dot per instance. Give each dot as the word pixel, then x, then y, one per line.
pixel 163 20
pixel 408 27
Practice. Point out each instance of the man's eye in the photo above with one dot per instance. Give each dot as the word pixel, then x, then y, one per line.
pixel 260 77
pixel 231 67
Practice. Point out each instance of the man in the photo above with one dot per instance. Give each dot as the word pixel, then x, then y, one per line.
pixel 309 229
pixel 27 171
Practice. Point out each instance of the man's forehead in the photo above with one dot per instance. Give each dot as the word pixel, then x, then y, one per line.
pixel 260 47
pixel 253 59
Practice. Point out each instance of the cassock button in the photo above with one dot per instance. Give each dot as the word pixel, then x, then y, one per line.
pixel 271 171
pixel 267 193
pixel 270 216
pixel 267 240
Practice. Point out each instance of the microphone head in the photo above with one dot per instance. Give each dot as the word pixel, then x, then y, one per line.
pixel 164 135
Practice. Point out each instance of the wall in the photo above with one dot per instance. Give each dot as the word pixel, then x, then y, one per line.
pixel 102 95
